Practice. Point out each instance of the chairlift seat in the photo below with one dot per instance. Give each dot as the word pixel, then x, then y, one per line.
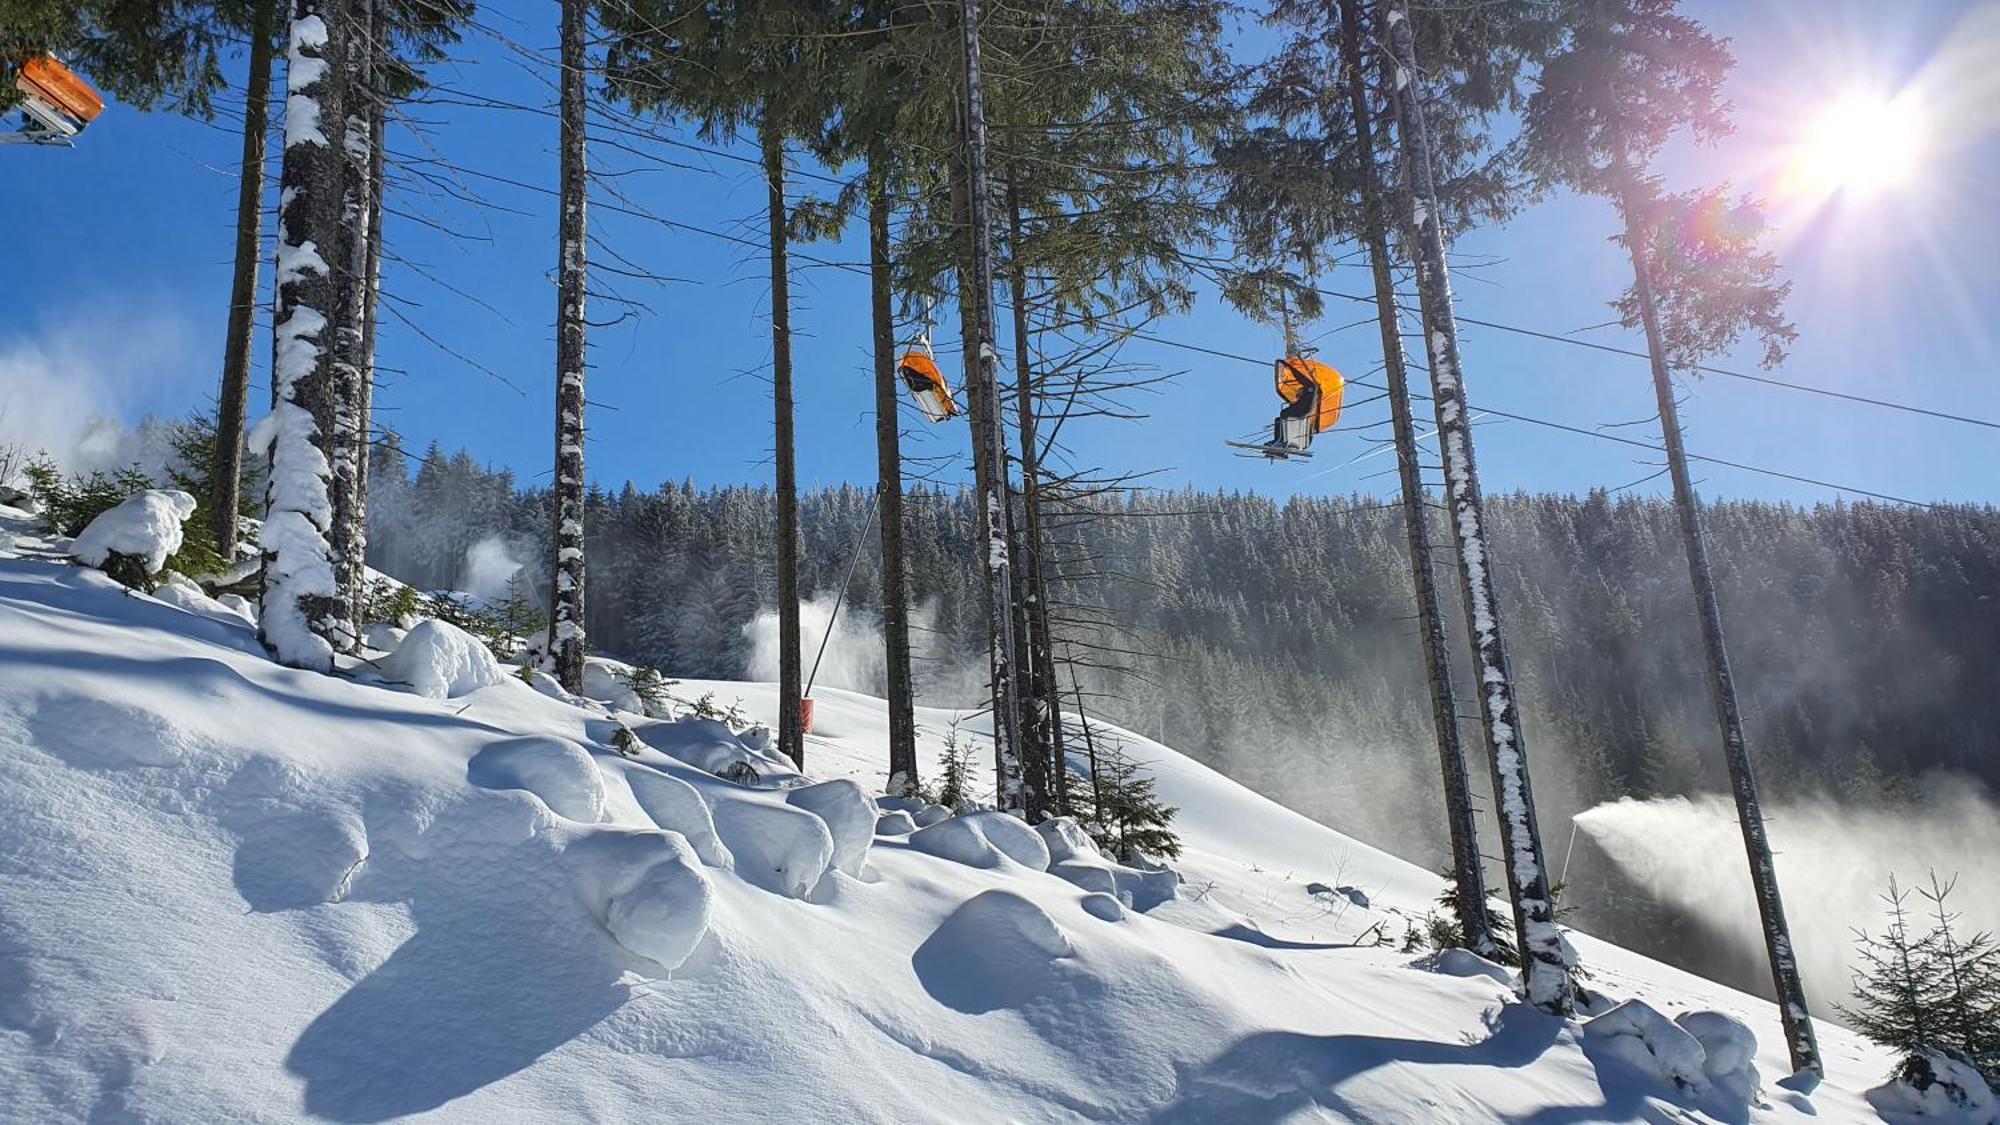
pixel 927 386
pixel 57 102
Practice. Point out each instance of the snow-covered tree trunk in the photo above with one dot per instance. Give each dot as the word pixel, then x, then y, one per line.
pixel 1800 1039
pixel 351 366
pixel 889 489
pixel 989 432
pixel 1547 959
pixel 233 403
pixel 302 619
pixel 566 604
pixel 1468 881
pixel 791 728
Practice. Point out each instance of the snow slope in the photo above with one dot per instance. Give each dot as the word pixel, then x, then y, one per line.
pixel 235 891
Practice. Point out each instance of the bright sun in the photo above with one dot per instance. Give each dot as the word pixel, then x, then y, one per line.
pixel 1861 145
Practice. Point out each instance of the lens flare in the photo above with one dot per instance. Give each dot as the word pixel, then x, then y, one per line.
pixel 1862 145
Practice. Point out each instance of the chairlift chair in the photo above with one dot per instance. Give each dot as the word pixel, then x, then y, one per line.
pixel 55 106
pixel 1312 392
pixel 920 373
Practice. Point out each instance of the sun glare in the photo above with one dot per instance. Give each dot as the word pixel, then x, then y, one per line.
pixel 1860 144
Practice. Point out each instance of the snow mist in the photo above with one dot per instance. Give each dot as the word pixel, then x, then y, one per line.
pixel 1834 862
pixel 854 659
pixel 69 384
pixel 490 567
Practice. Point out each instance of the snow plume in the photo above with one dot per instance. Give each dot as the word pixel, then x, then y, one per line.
pixel 854 658
pixel 66 388
pixel 1834 861
pixel 947 673
pixel 490 567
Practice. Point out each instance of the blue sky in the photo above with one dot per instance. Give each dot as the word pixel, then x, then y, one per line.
pixel 117 271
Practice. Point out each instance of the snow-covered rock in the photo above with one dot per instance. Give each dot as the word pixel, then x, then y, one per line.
pixel 1636 1034
pixel 984 839
pixel 709 745
pixel 647 889
pixel 181 592
pixel 993 949
pixel 932 814
pixel 441 661
pixel 145 525
pixel 605 682
pixel 1729 1052
pixel 1943 1089
pixel 849 814
pixel 1104 906
pixel 895 823
pixel 777 847
pixel 557 770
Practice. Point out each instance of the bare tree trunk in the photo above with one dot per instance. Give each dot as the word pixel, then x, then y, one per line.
pixel 302 619
pixel 1790 989
pixel 567 637
pixel 225 499
pixel 1468 882
pixel 1015 793
pixel 351 308
pixel 371 296
pixel 1546 957
pixel 791 729
pixel 1041 708
pixel 889 490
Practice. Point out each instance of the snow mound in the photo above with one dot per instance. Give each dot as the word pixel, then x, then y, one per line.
pixel 1636 1034
pixel 991 952
pixel 675 805
pixel 557 770
pixel 145 525
pixel 1067 840
pixel 1729 1050
pixel 1943 1089
pixel 849 814
pixel 605 682
pixel 1465 963
pixel 895 822
pixel 932 814
pixel 441 661
pixel 983 839
pixel 710 746
pixel 179 591
pixel 647 889
pixel 1104 906
pixel 778 847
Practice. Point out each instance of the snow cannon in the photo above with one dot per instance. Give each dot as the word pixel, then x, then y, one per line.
pixel 806 715
pixel 920 373
pixel 55 103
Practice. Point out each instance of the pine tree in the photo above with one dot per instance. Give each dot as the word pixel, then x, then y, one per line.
pixel 1633 73
pixel 1967 1013
pixel 1127 817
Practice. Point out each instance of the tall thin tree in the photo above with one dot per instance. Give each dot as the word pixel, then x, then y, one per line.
pixel 1633 73
pixel 1468 880
pixel 903 777
pixel 352 366
pixel 232 404
pixel 1547 960
pixel 566 599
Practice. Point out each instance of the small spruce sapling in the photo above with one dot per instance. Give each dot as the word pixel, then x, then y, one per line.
pixel 1129 817
pixel 1928 994
pixel 955 773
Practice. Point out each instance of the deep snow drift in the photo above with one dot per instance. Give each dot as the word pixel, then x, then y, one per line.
pixel 230 890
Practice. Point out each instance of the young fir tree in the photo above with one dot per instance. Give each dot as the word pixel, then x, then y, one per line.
pixel 302 620
pixel 1127 817
pixel 1632 74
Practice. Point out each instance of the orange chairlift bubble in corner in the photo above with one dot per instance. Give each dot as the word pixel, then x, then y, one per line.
pixel 920 373
pixel 55 104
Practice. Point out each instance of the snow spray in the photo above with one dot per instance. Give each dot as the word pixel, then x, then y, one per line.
pixel 1834 861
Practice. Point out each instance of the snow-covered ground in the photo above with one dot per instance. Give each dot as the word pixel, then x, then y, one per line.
pixel 235 891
